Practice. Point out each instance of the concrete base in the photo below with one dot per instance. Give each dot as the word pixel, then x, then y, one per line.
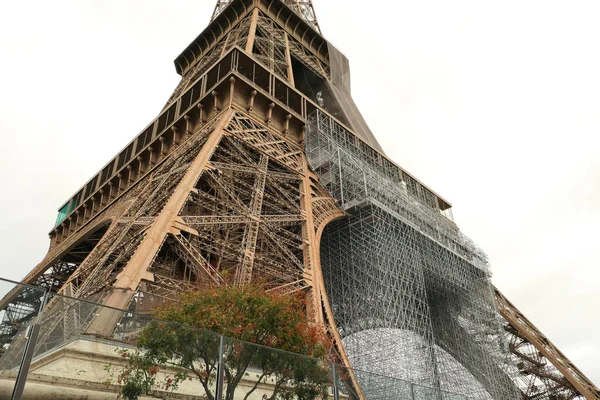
pixel 77 371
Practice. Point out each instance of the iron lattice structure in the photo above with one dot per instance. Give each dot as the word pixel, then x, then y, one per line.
pixel 303 8
pixel 260 168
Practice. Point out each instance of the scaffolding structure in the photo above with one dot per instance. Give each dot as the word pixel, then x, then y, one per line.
pixel 410 293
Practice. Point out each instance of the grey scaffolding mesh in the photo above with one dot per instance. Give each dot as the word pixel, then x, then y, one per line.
pixel 410 293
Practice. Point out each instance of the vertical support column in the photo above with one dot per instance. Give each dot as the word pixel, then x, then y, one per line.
pixel 270 114
pixel 312 274
pixel 226 43
pixel 341 177
pixel 252 33
pixel 140 169
pixel 201 118
pixel 216 106
pixel 102 199
pixel 120 185
pixel 251 103
pixel 129 180
pixel 110 192
pixel 188 128
pixel 220 370
pixel 77 219
pixel 150 151
pixel 162 148
pixel 244 275
pixel 137 268
pixel 288 57
pixel 231 90
pixel 336 392
pixel 176 138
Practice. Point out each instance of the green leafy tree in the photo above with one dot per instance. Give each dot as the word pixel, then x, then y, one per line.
pixel 257 321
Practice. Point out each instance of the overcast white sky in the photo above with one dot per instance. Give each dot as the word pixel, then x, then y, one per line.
pixel 494 104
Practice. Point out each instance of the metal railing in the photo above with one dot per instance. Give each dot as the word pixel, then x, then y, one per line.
pixel 48 346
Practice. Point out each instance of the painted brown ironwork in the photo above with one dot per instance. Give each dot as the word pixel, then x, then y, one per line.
pixel 224 188
pixel 546 373
pixel 304 8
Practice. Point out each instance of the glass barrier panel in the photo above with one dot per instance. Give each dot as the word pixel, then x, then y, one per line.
pixel 184 359
pixel 81 346
pixel 257 373
pixel 346 383
pixel 19 308
pixel 64 359
pixel 64 319
pixel 372 386
pixel 85 346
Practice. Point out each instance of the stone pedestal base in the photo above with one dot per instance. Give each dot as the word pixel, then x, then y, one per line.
pixel 77 371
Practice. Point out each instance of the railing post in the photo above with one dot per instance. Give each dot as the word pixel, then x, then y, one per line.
pixel 32 336
pixel 336 393
pixel 220 370
pixel 412 391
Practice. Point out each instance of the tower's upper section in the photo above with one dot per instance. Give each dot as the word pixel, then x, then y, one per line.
pixel 303 8
pixel 285 37
pixel 282 67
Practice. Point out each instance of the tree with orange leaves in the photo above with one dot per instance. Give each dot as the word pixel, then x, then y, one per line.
pixel 186 336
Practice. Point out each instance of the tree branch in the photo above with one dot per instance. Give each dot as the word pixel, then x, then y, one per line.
pixel 204 382
pixel 278 385
pixel 255 385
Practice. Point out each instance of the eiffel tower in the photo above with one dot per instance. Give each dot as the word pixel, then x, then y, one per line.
pixel 260 168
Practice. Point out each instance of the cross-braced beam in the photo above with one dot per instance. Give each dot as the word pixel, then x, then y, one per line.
pixel 548 372
pixel 303 8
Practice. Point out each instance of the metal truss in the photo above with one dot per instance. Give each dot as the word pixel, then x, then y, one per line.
pixel 270 46
pixel 221 5
pixel 545 372
pixel 303 8
pixel 235 191
pixel 238 36
pixel 246 209
pixel 242 220
pixel 104 264
pixel 272 43
pixel 265 40
pixel 89 269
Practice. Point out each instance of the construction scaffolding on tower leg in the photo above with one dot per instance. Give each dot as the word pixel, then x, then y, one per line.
pixel 261 169
pixel 410 294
